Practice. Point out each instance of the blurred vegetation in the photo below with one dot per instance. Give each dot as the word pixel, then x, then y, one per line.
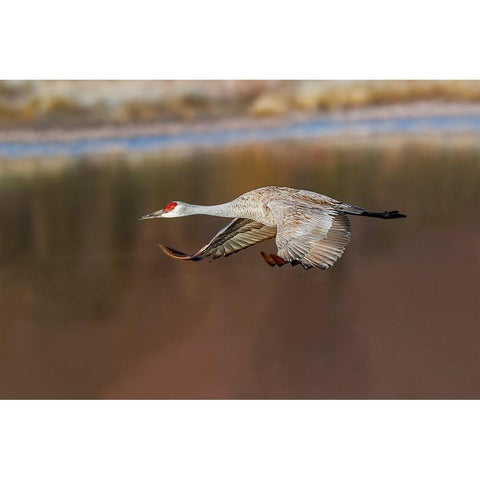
pixel 43 104
pixel 360 94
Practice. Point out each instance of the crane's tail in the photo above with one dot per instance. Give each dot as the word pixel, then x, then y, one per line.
pixel 385 215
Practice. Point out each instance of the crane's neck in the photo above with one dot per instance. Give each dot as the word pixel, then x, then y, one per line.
pixel 228 210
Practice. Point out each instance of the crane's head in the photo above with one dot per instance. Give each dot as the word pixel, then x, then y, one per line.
pixel 171 209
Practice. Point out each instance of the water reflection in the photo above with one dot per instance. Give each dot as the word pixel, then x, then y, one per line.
pixel 91 308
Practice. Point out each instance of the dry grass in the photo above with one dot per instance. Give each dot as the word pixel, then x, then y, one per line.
pixel 328 96
pixel 72 104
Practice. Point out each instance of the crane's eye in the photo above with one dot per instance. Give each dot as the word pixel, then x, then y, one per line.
pixel 170 206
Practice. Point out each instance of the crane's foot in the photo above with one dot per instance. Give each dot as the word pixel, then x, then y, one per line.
pixel 273 259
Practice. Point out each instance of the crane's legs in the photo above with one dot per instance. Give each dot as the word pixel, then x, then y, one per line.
pixel 274 259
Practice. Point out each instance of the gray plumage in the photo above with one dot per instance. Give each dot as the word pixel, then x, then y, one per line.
pixel 311 229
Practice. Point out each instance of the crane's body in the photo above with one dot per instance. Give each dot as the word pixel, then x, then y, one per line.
pixel 311 229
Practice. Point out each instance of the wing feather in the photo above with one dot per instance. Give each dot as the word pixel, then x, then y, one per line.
pixel 238 234
pixel 314 237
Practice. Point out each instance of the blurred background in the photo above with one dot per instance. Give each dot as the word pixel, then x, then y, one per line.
pixel 91 308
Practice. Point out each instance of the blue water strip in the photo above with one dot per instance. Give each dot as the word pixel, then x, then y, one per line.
pixel 252 134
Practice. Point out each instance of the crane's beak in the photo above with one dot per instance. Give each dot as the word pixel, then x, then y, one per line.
pixel 156 214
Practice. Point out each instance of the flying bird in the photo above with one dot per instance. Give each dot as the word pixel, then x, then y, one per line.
pixel 310 229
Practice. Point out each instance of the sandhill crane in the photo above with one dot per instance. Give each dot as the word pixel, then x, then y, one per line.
pixel 311 229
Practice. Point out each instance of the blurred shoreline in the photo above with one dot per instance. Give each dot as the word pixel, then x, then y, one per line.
pixel 426 120
pixel 45 118
pixel 367 113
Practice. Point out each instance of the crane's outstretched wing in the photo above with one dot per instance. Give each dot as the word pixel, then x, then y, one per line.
pixel 314 237
pixel 239 234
